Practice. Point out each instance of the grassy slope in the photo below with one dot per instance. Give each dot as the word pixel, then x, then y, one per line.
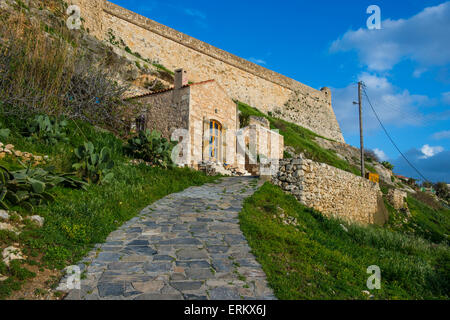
pixel 319 260
pixel 79 219
pixel 301 139
pixel 429 223
pixel 426 222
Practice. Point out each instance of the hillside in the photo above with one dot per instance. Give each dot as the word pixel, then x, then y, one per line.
pixel 77 219
pixel 308 256
pixel 73 170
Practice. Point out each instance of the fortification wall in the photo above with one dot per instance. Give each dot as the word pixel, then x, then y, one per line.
pixel 334 192
pixel 242 80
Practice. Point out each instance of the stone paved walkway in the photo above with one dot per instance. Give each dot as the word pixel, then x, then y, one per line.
pixel 185 246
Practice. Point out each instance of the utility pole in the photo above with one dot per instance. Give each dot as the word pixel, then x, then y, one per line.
pixel 360 86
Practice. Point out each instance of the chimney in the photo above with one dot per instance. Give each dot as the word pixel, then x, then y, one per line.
pixel 181 79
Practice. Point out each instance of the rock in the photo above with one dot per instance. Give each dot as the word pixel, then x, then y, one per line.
pixel 192 254
pixel 8 227
pixel 385 174
pixel 4 215
pixel 17 216
pixel 223 293
pixel 12 253
pixel 111 289
pixel 397 198
pixel 38 220
pixel 149 286
pixel 344 228
pixel 186 285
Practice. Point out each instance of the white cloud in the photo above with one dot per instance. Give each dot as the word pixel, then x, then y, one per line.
pixel 394 106
pixel 442 135
pixel 257 61
pixel 422 38
pixel 429 151
pixel 380 154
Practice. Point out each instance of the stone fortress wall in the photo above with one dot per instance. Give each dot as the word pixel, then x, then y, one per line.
pixel 242 80
pixel 332 191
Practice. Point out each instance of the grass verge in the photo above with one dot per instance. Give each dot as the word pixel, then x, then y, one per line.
pixel 318 259
pixel 79 219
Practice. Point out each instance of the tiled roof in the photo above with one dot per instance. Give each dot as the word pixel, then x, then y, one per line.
pixel 135 91
pixel 168 89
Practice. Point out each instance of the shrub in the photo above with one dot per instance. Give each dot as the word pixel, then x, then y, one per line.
pixel 442 190
pixel 151 147
pixel 4 133
pixel 34 69
pixel 94 98
pixel 94 166
pixel 244 119
pixel 155 86
pixel 49 130
pixel 427 199
pixel 371 156
pixel 29 187
pixel 388 165
pixel 49 73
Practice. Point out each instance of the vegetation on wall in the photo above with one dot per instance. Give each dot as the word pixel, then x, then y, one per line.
pixel 116 41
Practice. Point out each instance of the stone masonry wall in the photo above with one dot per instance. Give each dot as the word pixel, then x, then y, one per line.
pixel 397 198
pixel 334 192
pixel 241 79
pixel 165 112
pixel 210 102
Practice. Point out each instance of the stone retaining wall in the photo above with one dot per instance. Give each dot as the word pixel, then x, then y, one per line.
pixel 334 192
pixel 397 198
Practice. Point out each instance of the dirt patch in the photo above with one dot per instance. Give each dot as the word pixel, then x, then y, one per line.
pixel 39 287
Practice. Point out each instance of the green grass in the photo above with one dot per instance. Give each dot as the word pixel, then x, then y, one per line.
pixel 429 223
pixel 319 260
pixel 79 219
pixel 302 140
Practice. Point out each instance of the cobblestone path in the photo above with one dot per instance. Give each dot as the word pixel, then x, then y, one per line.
pixel 185 246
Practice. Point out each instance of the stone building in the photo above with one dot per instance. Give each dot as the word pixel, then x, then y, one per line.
pixel 242 80
pixel 205 120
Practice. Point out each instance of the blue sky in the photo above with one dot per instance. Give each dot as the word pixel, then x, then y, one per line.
pixel 405 65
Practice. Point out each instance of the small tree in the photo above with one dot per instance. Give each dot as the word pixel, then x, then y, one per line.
pixel 388 165
pixel 442 190
pixel 427 184
pixel 412 182
pixel 371 156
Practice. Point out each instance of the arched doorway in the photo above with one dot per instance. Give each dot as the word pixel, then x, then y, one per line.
pixel 215 133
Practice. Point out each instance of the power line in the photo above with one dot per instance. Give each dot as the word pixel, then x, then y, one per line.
pixel 424 120
pixel 415 116
pixel 390 138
